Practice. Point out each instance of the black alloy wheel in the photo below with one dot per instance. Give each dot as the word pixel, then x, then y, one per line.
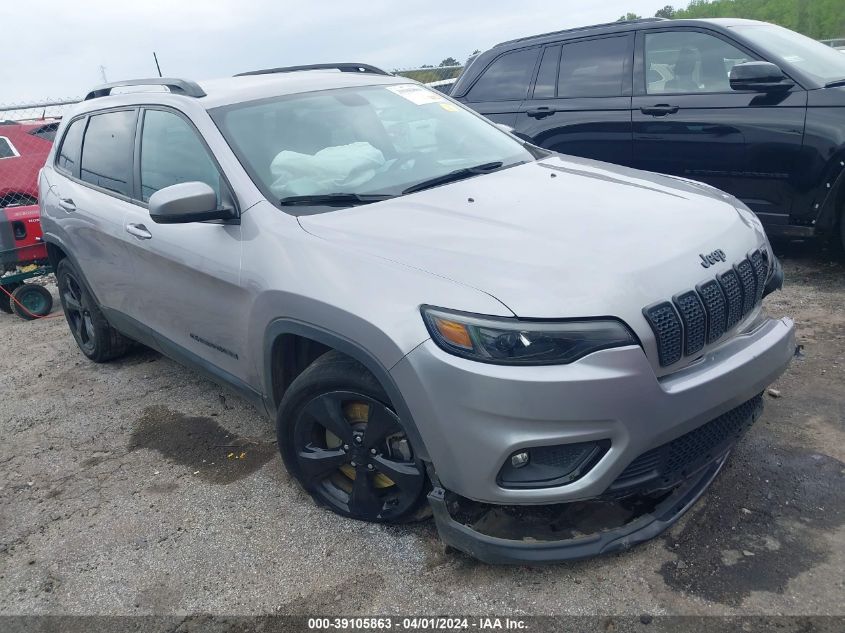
pixel 78 312
pixel 97 339
pixel 353 455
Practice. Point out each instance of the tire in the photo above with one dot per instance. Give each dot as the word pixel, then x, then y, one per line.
pixel 340 438
pixel 99 341
pixel 6 300
pixel 30 301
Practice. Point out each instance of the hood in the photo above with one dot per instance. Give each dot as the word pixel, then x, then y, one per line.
pixel 562 237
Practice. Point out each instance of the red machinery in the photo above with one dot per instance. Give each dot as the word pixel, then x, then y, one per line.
pixel 23 149
pixel 20 238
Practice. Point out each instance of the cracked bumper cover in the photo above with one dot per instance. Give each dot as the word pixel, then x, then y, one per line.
pixel 497 550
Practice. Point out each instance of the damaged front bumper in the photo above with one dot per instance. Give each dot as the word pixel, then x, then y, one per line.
pixel 669 481
pixel 527 549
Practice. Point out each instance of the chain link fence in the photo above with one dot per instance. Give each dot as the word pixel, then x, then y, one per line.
pixel 440 77
pixel 27 131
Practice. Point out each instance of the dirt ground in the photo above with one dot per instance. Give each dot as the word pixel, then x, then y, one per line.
pixel 139 487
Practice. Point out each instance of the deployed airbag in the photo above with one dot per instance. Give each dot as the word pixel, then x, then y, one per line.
pixel 337 169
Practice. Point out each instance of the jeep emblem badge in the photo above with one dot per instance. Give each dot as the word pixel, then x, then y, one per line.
pixel 716 256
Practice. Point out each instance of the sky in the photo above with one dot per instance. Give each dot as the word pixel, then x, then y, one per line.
pixel 55 48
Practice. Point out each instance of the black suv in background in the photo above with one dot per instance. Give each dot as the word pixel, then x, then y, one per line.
pixel 748 107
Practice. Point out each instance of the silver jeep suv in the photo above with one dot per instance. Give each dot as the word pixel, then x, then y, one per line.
pixel 440 317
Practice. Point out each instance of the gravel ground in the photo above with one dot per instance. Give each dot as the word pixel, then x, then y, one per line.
pixel 139 487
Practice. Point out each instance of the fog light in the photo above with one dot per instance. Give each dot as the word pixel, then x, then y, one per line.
pixel 518 460
pixel 547 466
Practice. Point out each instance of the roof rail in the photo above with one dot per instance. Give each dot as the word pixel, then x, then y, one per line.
pixel 176 86
pixel 344 67
pixel 581 28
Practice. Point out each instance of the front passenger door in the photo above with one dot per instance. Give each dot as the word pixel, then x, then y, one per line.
pixel 187 287
pixel 689 122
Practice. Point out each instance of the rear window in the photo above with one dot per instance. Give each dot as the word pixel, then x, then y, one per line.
pixel 107 151
pixel 67 158
pixel 547 75
pixel 7 150
pixel 593 68
pixel 507 78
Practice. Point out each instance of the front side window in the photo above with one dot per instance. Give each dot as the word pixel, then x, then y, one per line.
pixel 593 68
pixel 689 62
pixel 67 158
pixel 7 150
pixel 507 78
pixel 107 151
pixel 364 140
pixel 172 153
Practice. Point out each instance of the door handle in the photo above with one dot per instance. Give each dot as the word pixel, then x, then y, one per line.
pixel 539 112
pixel 67 204
pixel 139 230
pixel 661 109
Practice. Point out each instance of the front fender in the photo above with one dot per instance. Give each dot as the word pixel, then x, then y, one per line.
pixel 832 195
pixel 282 326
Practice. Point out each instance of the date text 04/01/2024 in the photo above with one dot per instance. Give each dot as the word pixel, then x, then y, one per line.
pixel 425 623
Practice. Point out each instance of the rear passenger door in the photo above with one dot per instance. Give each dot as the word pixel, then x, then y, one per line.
pixel 187 276
pixel 500 90
pixel 580 101
pixel 93 198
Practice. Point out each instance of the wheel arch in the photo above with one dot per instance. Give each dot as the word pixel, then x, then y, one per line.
pixel 56 252
pixel 832 204
pixel 291 341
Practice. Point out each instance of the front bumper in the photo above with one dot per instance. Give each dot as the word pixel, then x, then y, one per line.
pixel 497 550
pixel 473 416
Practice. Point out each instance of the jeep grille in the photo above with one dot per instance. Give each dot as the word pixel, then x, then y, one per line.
pixel 702 316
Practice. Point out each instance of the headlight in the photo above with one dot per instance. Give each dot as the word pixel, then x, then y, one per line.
pixel 506 341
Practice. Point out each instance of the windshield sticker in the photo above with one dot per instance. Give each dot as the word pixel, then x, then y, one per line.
pixel 417 94
pixel 450 107
pixel 794 59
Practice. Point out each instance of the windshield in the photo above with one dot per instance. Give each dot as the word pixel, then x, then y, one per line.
pixel 371 140
pixel 821 63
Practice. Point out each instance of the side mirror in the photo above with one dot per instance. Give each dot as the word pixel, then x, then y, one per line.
pixel 187 202
pixel 759 77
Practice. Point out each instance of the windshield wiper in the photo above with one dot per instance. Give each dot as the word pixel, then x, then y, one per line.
pixel 453 176
pixel 835 84
pixel 339 199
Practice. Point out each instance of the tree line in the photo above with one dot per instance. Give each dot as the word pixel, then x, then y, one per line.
pixel 819 19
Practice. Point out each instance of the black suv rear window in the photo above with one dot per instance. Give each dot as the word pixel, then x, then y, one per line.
pixel 593 68
pixel 107 151
pixel 507 78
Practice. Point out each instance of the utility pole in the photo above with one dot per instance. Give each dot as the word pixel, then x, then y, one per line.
pixel 103 74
